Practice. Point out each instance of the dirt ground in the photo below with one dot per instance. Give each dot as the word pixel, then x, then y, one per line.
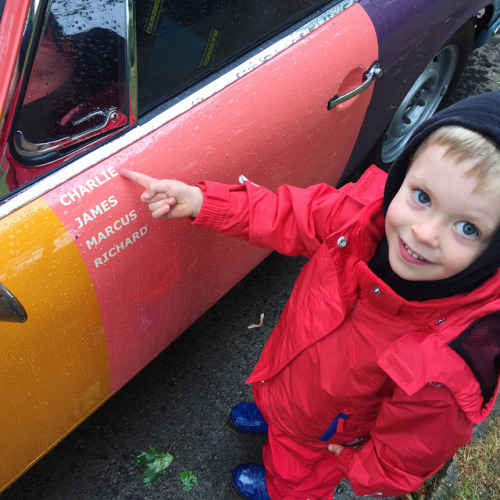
pixel 182 400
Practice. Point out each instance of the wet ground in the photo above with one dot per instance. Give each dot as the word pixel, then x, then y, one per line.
pixel 181 402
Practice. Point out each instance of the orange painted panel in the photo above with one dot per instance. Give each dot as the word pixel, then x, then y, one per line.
pixel 54 369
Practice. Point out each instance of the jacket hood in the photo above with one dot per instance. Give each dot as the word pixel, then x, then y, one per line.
pixel 481 114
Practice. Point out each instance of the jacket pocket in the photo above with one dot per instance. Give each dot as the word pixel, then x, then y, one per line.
pixel 336 425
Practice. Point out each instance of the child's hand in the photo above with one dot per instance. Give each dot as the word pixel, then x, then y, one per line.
pixel 166 198
pixel 335 448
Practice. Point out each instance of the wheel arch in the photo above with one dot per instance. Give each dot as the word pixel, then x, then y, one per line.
pixel 393 86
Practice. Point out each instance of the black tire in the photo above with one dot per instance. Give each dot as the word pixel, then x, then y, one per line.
pixel 430 92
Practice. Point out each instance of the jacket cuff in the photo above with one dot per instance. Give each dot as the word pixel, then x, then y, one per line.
pixel 215 205
pixel 345 459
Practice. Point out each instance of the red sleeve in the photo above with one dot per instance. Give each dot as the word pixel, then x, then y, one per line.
pixel 412 439
pixel 292 221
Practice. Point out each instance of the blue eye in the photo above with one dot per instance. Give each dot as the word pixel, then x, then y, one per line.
pixel 467 229
pixel 421 197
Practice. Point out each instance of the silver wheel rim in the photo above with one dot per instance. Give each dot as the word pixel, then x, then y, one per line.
pixel 421 101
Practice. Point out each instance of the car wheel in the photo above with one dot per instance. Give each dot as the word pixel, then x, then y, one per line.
pixel 431 91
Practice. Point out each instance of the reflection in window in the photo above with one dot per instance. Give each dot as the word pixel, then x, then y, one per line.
pixel 77 88
pixel 179 42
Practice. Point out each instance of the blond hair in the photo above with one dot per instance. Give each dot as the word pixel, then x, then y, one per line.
pixel 465 145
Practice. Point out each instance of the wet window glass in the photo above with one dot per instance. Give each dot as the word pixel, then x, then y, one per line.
pixel 179 42
pixel 77 90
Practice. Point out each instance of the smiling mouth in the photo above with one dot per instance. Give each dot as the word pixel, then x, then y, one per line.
pixel 412 253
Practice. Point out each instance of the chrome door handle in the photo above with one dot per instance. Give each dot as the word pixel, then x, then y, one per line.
pixel 369 76
pixel 10 308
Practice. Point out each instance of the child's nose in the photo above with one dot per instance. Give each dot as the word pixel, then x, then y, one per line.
pixel 427 232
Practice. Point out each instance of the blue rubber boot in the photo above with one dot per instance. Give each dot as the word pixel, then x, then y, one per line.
pixel 248 418
pixel 249 480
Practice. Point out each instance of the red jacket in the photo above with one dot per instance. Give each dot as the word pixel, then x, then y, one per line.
pixel 351 362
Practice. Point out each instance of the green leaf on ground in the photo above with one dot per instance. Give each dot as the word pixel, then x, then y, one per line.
pixel 188 479
pixel 156 463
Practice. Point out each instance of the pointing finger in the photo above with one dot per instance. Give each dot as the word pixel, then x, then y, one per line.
pixel 142 179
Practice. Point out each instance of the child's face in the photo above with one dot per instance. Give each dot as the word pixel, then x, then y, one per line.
pixel 437 224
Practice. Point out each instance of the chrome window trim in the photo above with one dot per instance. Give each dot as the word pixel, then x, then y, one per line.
pixel 35 17
pixel 132 51
pixel 89 160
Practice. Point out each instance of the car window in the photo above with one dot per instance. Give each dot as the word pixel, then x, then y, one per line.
pixel 179 42
pixel 77 86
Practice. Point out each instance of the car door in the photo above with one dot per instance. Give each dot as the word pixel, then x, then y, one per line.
pixel 94 288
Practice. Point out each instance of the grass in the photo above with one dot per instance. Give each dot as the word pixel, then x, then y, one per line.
pixel 478 466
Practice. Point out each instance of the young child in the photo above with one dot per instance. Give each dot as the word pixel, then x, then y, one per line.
pixel 388 350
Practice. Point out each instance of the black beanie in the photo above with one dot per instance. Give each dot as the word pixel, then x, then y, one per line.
pixel 481 114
